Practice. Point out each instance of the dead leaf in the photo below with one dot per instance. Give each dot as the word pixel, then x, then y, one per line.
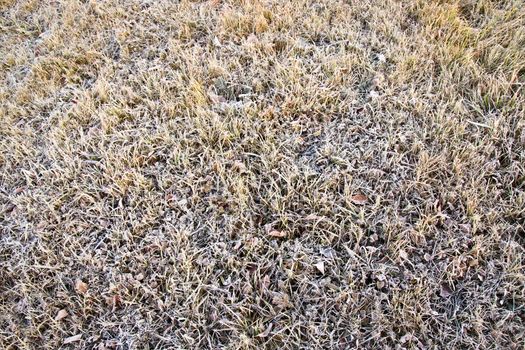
pixel 113 301
pixel 359 199
pixel 465 227
pixel 72 339
pixel 320 266
pixel 265 283
pixel 9 208
pixel 328 253
pixel 217 42
pixel 61 314
pixel 252 39
pixel 111 344
pixel 81 287
pixel 239 166
pixel 266 331
pixel 270 231
pixel 19 190
pixel 381 58
pixel 238 245
pixel 277 233
pixel 406 338
pixel 281 300
pixel 314 217
pixel 473 263
pixel 446 291
pixel 41 225
pixel 215 3
pixel 216 99
pixel 373 94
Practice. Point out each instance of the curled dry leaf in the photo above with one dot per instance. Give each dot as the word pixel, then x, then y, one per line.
pixel 72 339
pixel 81 287
pixel 277 233
pixel 359 199
pixel 61 314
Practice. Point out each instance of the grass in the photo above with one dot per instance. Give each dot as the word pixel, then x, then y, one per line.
pixel 262 174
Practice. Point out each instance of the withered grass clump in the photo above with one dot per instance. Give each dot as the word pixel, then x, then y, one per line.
pixel 262 174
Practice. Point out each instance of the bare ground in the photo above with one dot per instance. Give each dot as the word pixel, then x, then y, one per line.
pixel 262 174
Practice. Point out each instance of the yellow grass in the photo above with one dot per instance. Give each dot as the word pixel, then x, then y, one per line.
pixel 262 174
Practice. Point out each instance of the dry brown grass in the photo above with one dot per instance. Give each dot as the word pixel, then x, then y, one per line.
pixel 262 174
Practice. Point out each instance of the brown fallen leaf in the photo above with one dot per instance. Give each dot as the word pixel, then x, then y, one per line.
pixel 359 199
pixel 214 3
pixel 277 233
pixel 61 314
pixel 114 301
pixel 81 287
pixel 73 339
pixel 473 263
pixel 281 300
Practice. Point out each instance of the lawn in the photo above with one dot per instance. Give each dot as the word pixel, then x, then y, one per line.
pixel 307 174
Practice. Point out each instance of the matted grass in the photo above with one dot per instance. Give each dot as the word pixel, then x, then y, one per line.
pixel 262 174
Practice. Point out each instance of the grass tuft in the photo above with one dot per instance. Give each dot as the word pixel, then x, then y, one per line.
pixel 262 174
